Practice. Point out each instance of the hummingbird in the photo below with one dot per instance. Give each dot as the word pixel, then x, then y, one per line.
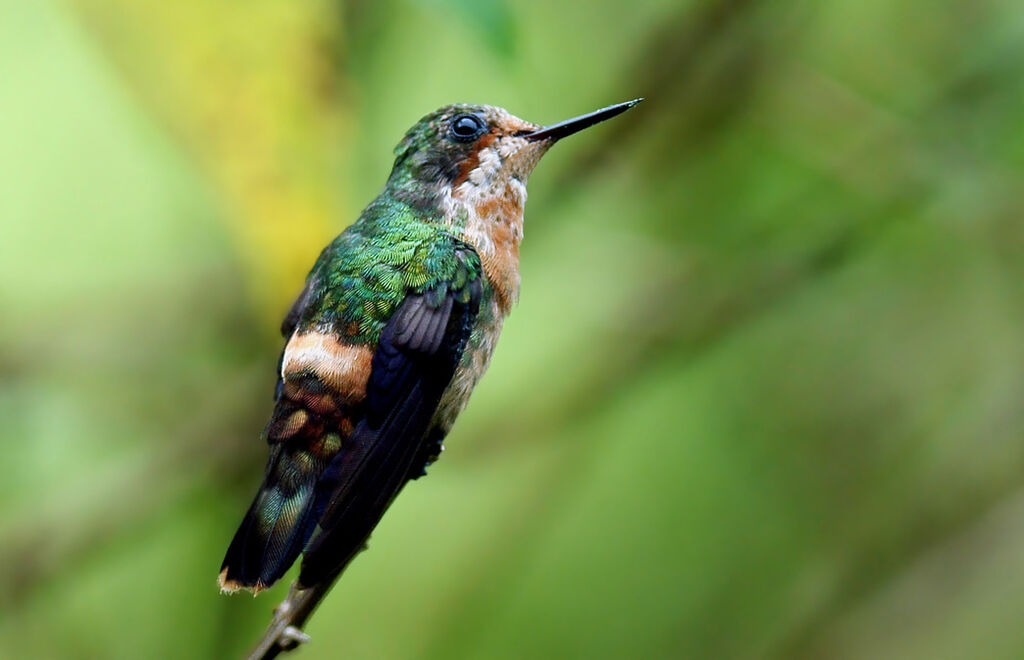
pixel 394 328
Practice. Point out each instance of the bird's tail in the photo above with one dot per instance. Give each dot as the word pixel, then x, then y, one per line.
pixel 304 434
pixel 277 525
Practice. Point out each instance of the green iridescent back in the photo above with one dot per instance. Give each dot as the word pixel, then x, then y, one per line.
pixel 365 273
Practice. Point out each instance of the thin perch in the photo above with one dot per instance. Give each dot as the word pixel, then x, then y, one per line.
pixel 285 630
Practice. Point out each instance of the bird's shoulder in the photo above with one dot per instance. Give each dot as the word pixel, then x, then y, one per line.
pixel 363 276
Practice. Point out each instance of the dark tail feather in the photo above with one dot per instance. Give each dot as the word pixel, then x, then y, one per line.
pixel 273 532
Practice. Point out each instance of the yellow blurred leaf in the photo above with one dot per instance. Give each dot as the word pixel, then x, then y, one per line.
pixel 252 91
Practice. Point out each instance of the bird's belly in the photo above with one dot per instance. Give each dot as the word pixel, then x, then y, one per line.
pixel 474 363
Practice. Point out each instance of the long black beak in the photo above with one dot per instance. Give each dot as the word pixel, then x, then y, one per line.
pixel 570 126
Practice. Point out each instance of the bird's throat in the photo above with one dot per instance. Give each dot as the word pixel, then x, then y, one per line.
pixel 490 218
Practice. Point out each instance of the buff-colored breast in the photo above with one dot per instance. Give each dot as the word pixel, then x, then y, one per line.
pixel 471 368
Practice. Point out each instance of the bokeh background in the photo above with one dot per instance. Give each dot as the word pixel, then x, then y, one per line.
pixel 763 396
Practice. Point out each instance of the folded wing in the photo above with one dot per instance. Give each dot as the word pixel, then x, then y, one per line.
pixel 415 360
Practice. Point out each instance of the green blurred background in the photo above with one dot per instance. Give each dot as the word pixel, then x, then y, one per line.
pixel 763 396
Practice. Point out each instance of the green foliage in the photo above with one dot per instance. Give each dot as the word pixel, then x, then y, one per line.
pixel 491 21
pixel 761 397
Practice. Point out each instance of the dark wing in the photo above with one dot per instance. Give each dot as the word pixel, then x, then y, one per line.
pixel 419 350
pixel 295 313
pixel 288 325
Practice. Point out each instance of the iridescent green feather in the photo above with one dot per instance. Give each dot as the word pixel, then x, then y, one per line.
pixel 362 277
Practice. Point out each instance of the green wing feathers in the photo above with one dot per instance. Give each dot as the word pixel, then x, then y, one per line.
pixel 367 271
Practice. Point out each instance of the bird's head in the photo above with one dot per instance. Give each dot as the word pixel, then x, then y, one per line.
pixel 480 145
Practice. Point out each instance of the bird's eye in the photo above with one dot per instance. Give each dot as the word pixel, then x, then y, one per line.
pixel 466 127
